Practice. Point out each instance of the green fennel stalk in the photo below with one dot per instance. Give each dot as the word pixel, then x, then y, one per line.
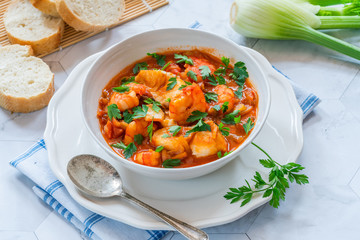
pixel 292 19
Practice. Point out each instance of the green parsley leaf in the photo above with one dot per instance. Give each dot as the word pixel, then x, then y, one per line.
pixel 248 125
pixel 192 75
pixel 129 150
pixel 170 163
pixel 217 107
pixel 232 118
pixel 239 92
pixel 159 148
pixel 212 80
pixel 183 59
pixel 220 71
pixel 224 130
pixel 225 107
pixel 225 61
pixel 205 71
pixel 155 105
pixel 128 117
pixel 196 115
pixel 165 66
pixel 221 80
pixel 126 81
pixel 150 129
pixel 168 100
pixel 171 84
pixel 239 73
pixel 199 127
pixel 121 89
pixel 186 84
pixel 113 111
pixel 160 59
pixel 210 96
pixel 174 130
pixel 165 135
pixel 219 154
pixel 140 112
pixel 276 185
pixel 138 138
pixel 120 145
pixel 140 66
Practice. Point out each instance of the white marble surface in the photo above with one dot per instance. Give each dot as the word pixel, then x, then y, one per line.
pixel 327 208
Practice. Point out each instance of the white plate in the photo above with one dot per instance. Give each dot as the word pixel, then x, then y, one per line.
pixel 198 201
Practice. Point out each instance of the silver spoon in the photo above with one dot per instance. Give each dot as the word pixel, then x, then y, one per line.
pixel 96 177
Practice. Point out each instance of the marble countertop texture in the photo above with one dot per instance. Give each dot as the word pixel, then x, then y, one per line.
pixel 327 208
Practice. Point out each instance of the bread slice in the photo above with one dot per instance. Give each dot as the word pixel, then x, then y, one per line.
pixel 26 25
pixel 90 15
pixel 26 82
pixel 46 6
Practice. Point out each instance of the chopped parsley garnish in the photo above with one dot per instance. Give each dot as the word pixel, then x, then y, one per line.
pixel 232 118
pixel 129 150
pixel 165 66
pixel 192 75
pixel 220 155
pixel 221 80
pixel 170 163
pixel 126 81
pixel 140 112
pixel 225 107
pixel 150 129
pixel 160 59
pixel 196 115
pixel 278 180
pixel 220 71
pixel 168 100
pixel 138 138
pixel 186 84
pixel 171 84
pixel 225 61
pixel 224 130
pixel 174 130
pixel 205 71
pixel 113 111
pixel 165 135
pixel 140 66
pixel 184 59
pixel 248 125
pixel 201 126
pixel 155 105
pixel 217 107
pixel 239 92
pixel 120 145
pixel 128 117
pixel 159 149
pixel 121 89
pixel 210 96
pixel 239 73
pixel 212 80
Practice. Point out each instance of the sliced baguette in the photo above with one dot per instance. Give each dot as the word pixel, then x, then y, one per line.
pixel 46 6
pixel 26 82
pixel 90 15
pixel 26 25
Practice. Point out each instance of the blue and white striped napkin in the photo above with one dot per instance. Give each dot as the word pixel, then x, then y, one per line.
pixel 34 164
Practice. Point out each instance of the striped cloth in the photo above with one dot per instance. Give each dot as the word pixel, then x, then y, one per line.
pixel 34 164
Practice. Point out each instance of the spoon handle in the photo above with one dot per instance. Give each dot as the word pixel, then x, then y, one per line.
pixel 185 229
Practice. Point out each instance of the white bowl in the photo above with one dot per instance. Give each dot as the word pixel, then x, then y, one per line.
pixel 134 48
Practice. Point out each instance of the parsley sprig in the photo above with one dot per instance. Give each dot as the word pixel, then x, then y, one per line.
pixel 275 187
pixel 211 96
pixel 171 84
pixel 183 59
pixel 140 66
pixel 113 111
pixel 129 150
pixel 201 126
pixel 239 73
pixel 160 59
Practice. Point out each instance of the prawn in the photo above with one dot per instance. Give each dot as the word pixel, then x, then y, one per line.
pixel 225 94
pixel 157 82
pixel 148 158
pixel 174 147
pixel 191 99
pixel 208 143
pixel 138 126
pixel 124 101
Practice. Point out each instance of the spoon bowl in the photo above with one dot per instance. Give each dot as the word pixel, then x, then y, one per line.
pixel 98 178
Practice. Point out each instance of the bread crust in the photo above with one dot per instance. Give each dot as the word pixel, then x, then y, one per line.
pixel 41 46
pixel 76 22
pixel 46 6
pixel 25 105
